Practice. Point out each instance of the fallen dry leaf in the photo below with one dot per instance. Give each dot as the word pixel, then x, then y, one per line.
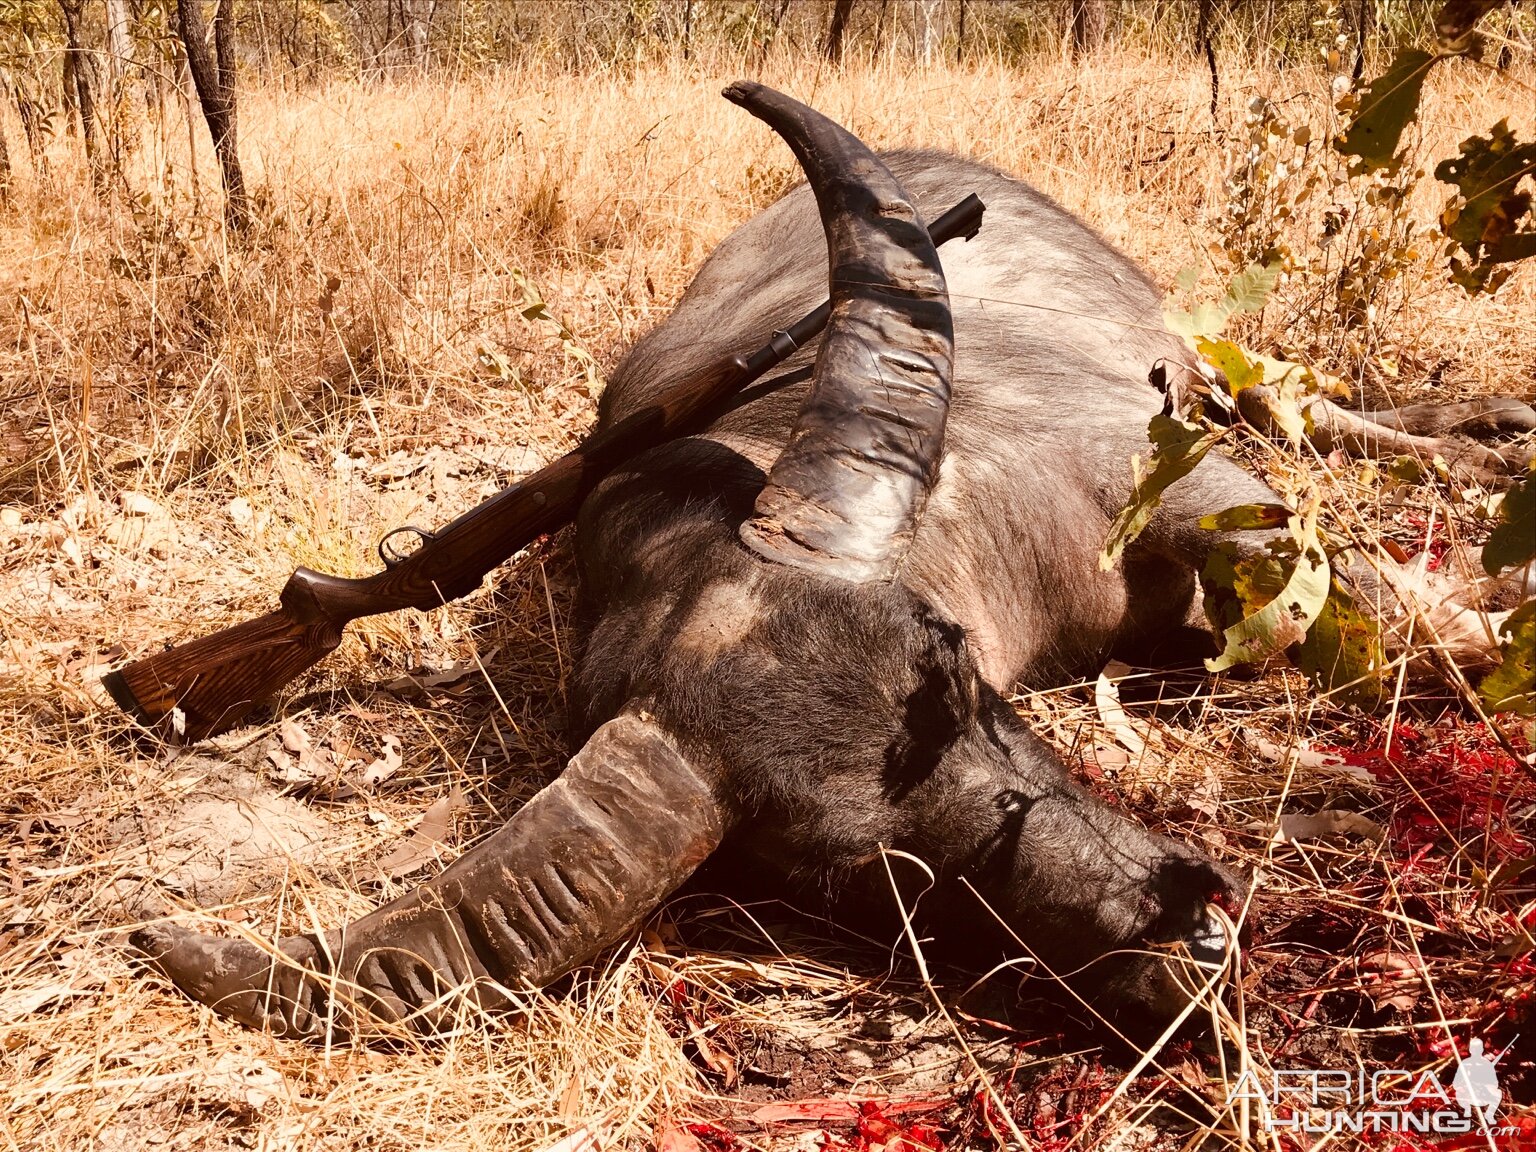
pixel 138 504
pixel 386 765
pixel 1392 979
pixel 820 1110
pixel 432 833
pixel 296 759
pixel 1328 823
pixel 293 736
pixel 449 679
pixel 570 1101
pixel 715 1058
pixel 240 511
pixel 237 1078
pixel 582 1139
pixel 672 1137
pixel 1306 757
pixel 1106 697
pixel 346 754
pixel 1205 797
pixel 16 1004
pixel 91 668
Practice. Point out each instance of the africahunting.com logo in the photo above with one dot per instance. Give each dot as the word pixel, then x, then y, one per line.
pixel 1338 1100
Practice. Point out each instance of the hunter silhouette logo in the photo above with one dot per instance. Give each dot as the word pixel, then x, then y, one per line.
pixel 1477 1083
pixel 1337 1100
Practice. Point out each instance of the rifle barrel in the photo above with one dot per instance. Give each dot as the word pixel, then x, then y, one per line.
pixel 207 685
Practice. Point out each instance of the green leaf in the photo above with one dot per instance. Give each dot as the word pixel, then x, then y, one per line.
pixel 1179 447
pixel 1491 219
pixel 1246 517
pixel 1237 582
pixel 1511 687
pixel 1342 653
pixel 1247 292
pixel 1251 288
pixel 1233 362
pixel 1205 320
pixel 1513 540
pixel 1285 619
pixel 1387 106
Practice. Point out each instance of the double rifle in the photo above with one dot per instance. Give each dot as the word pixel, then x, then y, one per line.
pixel 208 685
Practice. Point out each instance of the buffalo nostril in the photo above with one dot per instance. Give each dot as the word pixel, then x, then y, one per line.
pixel 1196 961
pixel 1208 942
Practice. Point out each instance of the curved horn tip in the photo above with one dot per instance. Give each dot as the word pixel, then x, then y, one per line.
pixel 738 91
pixel 230 976
pixel 195 962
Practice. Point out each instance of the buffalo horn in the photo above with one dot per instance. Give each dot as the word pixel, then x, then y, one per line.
pixel 846 493
pixel 578 867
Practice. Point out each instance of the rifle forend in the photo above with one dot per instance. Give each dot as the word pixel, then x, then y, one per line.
pixel 207 685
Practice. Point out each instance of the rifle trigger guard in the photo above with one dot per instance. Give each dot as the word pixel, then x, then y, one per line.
pixel 392 555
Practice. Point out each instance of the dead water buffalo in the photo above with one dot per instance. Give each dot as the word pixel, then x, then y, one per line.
pixel 797 626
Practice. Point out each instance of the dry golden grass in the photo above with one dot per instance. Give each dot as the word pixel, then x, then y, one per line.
pixel 265 420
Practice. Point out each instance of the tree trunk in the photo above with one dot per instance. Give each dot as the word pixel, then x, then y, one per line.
pixel 416 16
pixel 960 34
pixel 767 42
pixel 837 31
pixel 1506 55
pixel 215 82
pixel 1203 37
pixel 885 7
pixel 927 13
pixel 1365 23
pixel 119 39
pixel 77 77
pixel 5 172
pixel 185 88
pixel 30 115
pixel 120 59
pixel 1089 20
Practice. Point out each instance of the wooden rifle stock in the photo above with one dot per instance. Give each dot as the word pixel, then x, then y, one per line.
pixel 207 685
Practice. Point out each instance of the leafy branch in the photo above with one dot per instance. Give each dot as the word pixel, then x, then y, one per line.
pixel 1489 218
pixel 1511 687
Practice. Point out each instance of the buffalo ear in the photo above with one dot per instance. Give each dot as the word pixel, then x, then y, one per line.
pixel 846 493
pixel 939 709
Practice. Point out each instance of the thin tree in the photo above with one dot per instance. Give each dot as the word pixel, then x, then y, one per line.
pixel 416 18
pixel 214 76
pixel 1089 20
pixel 120 54
pixel 1203 39
pixel 926 14
pixel 77 82
pixel 120 59
pixel 5 172
pixel 837 31
pixel 1364 21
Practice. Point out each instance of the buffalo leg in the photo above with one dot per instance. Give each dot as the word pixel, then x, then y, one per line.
pixel 1423 431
